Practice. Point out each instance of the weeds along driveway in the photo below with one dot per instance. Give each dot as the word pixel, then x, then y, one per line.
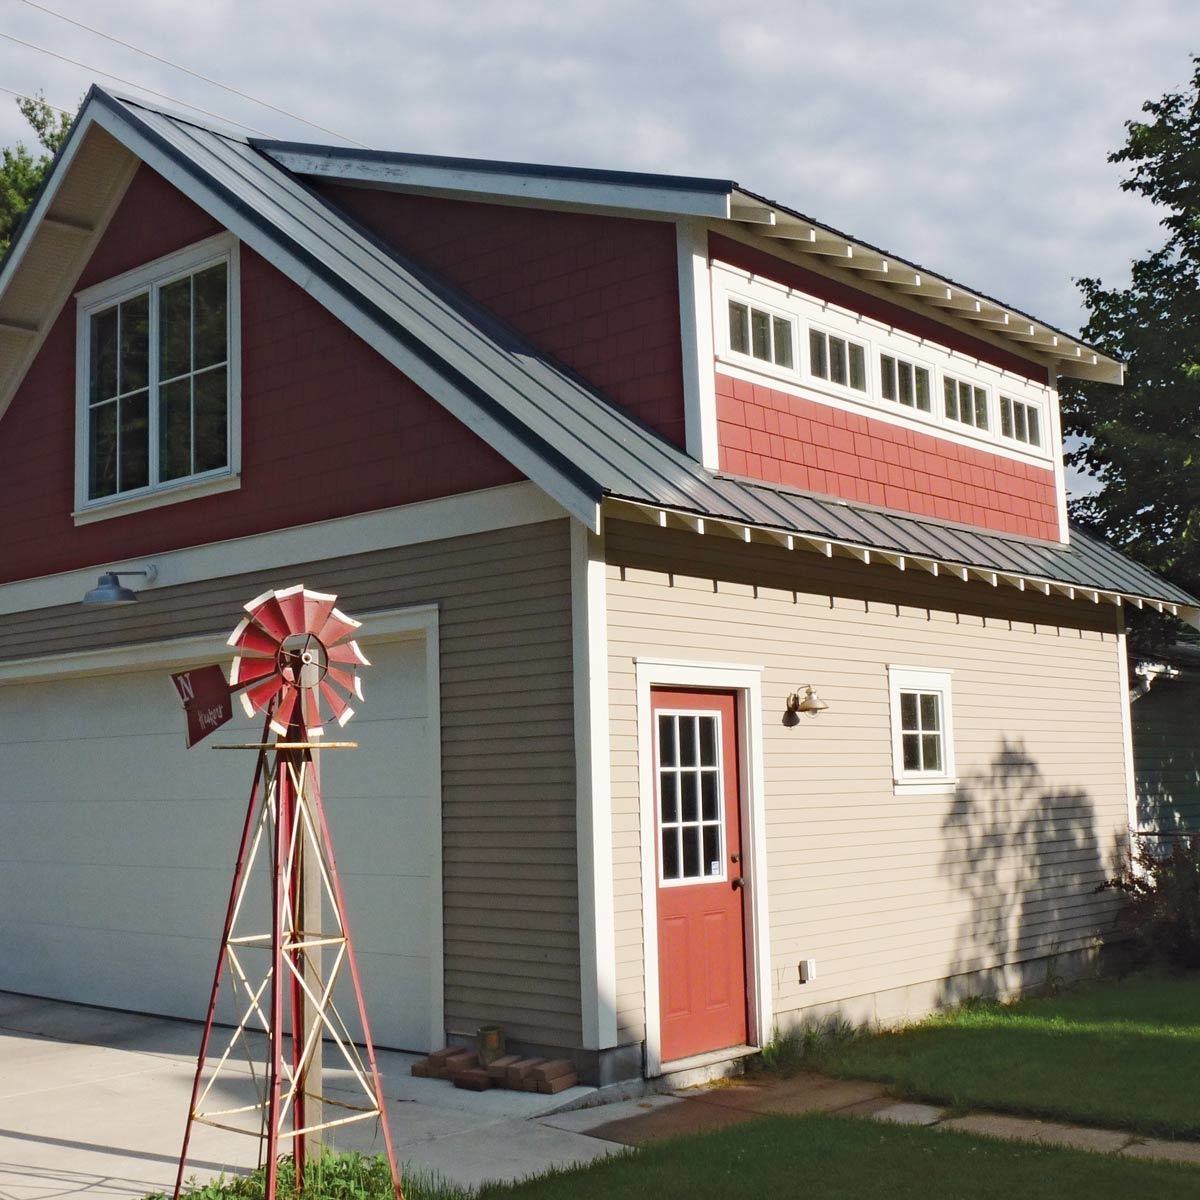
pixel 94 1101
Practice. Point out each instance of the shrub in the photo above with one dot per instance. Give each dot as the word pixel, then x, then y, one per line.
pixel 1161 892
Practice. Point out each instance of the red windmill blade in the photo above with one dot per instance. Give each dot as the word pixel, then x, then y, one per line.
pixel 294 658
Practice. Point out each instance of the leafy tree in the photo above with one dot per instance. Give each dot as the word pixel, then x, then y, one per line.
pixel 20 171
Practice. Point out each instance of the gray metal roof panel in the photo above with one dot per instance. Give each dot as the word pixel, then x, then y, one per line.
pixel 571 431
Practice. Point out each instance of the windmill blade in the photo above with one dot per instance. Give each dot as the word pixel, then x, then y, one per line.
pixel 259 696
pixel 250 638
pixel 281 722
pixel 266 613
pixel 346 679
pixel 247 670
pixel 312 713
pixel 349 652
pixel 341 711
pixel 317 607
pixel 291 605
pixel 336 627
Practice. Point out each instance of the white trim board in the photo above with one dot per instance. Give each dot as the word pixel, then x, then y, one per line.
pixel 408 525
pixel 746 681
pixel 593 790
pixel 696 333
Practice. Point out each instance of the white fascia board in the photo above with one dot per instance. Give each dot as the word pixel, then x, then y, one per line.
pixel 579 502
pixel 408 525
pixel 423 176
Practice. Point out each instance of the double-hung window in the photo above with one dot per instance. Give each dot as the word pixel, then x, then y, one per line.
pixel 158 379
pixel 922 730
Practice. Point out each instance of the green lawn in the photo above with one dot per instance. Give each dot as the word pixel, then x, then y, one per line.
pixel 1123 1054
pixel 816 1157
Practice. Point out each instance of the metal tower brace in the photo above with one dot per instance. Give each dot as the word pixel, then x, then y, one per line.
pixel 285 808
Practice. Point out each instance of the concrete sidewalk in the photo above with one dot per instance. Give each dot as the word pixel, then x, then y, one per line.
pixel 93 1102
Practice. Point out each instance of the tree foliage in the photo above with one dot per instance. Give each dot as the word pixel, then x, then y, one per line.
pixel 1141 442
pixel 20 170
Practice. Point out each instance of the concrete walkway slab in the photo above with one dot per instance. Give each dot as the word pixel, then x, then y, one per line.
pixel 93 1102
pixel 1154 1148
pixel 906 1113
pixel 1047 1133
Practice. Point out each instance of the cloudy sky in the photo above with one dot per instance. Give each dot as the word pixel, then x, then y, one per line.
pixel 968 136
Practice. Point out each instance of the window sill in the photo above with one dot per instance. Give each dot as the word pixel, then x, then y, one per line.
pixel 119 507
pixel 925 787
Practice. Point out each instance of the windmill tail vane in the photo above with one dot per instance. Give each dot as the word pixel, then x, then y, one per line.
pixel 286 944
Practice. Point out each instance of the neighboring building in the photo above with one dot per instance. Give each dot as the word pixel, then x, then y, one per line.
pixel 613 465
pixel 1166 741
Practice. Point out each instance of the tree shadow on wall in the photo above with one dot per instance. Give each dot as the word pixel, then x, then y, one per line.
pixel 1026 857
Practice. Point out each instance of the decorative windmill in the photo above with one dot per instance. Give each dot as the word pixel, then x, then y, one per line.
pixel 296 665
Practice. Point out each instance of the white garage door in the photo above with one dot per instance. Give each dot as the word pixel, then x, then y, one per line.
pixel 118 843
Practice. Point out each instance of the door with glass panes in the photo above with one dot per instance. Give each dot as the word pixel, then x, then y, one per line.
pixel 700 870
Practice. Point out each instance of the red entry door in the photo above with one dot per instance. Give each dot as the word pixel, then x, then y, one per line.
pixel 701 922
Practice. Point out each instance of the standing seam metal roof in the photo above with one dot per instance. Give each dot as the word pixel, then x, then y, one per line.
pixel 572 435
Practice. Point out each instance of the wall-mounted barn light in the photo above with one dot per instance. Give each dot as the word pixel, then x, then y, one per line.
pixel 110 591
pixel 809 703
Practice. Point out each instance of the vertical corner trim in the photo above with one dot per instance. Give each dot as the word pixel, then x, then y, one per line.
pixel 593 790
pixel 1126 727
pixel 696 334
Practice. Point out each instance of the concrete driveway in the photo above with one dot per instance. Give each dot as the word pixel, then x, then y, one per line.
pixel 93 1101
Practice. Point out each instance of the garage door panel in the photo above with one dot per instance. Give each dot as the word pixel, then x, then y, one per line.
pixel 120 843
pixel 400 982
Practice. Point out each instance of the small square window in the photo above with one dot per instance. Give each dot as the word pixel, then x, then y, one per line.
pixel 1020 421
pixel 965 402
pixel 922 730
pixel 905 383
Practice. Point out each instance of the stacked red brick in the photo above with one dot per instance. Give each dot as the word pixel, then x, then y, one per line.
pixel 463 1068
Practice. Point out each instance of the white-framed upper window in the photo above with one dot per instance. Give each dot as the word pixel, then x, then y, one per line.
pixel 837 360
pixel 158 380
pixel 922 729
pixel 853 361
pixel 966 402
pixel 1020 421
pixel 905 382
pixel 762 334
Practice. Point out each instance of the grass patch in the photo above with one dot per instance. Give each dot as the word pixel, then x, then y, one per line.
pixel 1123 1054
pixel 819 1157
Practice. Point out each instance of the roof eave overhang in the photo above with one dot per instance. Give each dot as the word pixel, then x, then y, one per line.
pixel 741 531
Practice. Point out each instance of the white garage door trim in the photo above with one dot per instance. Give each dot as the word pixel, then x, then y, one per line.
pixel 387 625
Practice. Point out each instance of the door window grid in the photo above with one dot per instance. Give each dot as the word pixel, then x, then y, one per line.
pixel 690 797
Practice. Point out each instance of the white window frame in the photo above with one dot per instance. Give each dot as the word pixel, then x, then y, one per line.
pixel 1012 439
pixel 692 880
pixel 877 337
pixel 917 363
pixel 870 372
pixel 992 432
pixel 209 252
pixel 761 364
pixel 922 679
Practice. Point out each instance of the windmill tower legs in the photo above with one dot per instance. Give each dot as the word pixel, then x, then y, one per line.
pixel 285 977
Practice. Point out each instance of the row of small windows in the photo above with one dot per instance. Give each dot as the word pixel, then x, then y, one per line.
pixel 765 336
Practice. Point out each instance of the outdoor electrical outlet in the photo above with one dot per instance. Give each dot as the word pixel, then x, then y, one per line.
pixel 808 970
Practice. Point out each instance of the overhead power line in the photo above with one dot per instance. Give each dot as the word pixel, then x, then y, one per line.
pixel 130 83
pixel 66 112
pixel 166 62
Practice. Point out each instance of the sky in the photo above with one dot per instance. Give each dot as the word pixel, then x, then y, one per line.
pixel 970 137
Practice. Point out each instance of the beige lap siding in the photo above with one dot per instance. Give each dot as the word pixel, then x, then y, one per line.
pixel 508 764
pixel 886 892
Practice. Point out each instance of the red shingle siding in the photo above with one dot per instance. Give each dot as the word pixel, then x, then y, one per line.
pixel 329 428
pixel 598 293
pixel 823 288
pixel 799 443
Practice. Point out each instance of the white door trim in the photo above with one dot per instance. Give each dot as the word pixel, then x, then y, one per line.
pixel 746 683
pixel 385 625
